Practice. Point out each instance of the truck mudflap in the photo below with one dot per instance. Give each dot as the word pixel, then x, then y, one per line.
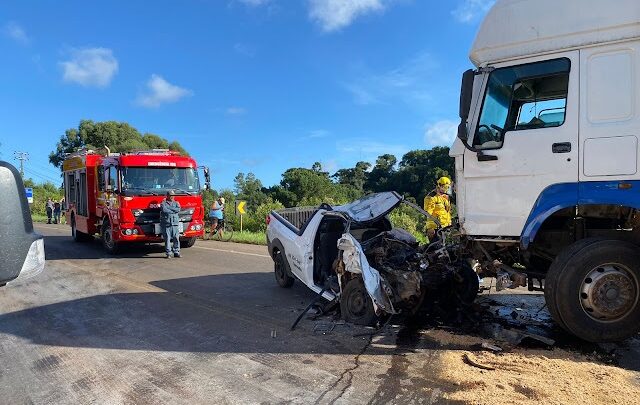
pixel 355 261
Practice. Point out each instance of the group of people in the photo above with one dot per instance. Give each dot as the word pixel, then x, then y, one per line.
pixel 55 211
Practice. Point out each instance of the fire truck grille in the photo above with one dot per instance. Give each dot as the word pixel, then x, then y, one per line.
pixel 152 216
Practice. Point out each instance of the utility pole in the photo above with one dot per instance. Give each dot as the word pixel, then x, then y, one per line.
pixel 21 156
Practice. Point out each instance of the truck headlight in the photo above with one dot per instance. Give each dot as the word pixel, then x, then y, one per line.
pixel 135 231
pixel 128 232
pixel 137 213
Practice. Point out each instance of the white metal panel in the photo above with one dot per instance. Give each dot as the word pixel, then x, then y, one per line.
pixel 610 92
pixel 499 194
pixel 520 28
pixel 610 111
pixel 613 156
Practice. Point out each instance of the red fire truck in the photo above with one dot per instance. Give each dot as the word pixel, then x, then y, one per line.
pixel 118 196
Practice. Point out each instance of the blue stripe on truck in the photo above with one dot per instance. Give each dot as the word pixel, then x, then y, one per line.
pixel 564 195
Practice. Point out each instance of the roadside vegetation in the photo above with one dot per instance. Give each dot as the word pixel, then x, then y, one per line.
pixel 413 176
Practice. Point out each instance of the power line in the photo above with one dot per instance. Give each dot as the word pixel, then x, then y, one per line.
pixel 21 156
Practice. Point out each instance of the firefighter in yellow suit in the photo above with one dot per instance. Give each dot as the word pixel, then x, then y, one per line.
pixel 437 204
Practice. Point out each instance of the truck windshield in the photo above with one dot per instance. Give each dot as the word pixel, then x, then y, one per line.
pixel 159 180
pixel 521 97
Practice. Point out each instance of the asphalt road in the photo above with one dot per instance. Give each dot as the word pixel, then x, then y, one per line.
pixel 212 327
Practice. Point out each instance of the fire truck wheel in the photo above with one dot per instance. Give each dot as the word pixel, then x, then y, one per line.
pixel 76 234
pixel 110 245
pixel 188 242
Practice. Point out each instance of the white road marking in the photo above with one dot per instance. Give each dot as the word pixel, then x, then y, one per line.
pixel 231 251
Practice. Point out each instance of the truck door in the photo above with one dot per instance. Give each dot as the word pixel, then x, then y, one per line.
pixel 527 132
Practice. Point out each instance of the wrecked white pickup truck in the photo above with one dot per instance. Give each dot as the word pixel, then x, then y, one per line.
pixel 351 253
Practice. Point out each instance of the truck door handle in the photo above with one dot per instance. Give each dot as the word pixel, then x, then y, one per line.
pixel 486 158
pixel 562 147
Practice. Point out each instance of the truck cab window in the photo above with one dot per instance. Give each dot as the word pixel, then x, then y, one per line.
pixel 113 178
pixel 522 97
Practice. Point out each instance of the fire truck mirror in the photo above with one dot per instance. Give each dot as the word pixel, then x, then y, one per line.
pixel 22 248
pixel 207 179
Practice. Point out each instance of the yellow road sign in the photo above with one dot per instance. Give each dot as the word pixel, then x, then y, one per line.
pixel 240 205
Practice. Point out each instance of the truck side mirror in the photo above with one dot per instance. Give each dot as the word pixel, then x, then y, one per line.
pixel 466 92
pixel 207 178
pixel 22 248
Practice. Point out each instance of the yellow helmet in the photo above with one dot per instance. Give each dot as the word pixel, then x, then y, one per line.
pixel 444 181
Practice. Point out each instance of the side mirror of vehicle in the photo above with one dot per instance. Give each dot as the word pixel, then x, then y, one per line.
pixel 207 178
pixel 22 248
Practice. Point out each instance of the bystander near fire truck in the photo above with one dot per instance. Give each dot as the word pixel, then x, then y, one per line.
pixel 117 196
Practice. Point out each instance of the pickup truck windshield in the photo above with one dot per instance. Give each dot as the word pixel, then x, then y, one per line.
pixel 159 180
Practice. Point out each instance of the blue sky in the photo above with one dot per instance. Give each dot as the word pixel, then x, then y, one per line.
pixel 244 85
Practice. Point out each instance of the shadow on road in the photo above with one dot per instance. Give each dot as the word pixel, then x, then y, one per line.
pixel 57 248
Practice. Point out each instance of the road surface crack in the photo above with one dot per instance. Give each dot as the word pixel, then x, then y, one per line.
pixel 348 374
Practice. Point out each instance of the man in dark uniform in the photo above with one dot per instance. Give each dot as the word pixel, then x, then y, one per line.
pixel 169 221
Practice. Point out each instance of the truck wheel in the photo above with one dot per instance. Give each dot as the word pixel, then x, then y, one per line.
pixel 110 245
pixel 596 289
pixel 279 266
pixel 76 234
pixel 356 305
pixel 551 294
pixel 187 243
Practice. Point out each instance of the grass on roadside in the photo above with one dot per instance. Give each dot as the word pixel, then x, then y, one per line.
pixel 254 238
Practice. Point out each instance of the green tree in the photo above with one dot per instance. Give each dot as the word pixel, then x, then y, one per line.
pixel 249 188
pixel 381 177
pixel 117 136
pixel 355 177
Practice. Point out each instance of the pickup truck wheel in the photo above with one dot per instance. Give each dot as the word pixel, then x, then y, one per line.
pixel 356 305
pixel 110 245
pixel 597 290
pixel 279 266
pixel 187 243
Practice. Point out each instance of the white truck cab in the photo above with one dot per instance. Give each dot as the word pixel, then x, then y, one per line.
pixel 547 156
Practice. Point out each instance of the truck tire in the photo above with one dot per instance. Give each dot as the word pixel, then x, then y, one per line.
pixel 283 278
pixel 76 234
pixel 355 304
pixel 188 242
pixel 110 245
pixel 551 292
pixel 466 284
pixel 595 286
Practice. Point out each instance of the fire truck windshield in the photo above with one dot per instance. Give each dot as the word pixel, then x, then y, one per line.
pixel 159 180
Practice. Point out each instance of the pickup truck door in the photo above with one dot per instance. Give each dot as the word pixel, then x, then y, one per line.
pixel 527 130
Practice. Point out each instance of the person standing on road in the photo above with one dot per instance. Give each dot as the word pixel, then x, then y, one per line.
pixel 437 204
pixel 169 221
pixel 49 207
pixel 63 209
pixel 216 214
pixel 56 212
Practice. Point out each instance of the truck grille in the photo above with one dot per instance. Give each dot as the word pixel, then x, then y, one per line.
pixel 152 216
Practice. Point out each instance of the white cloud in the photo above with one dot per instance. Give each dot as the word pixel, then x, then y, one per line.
pixel 244 50
pixel 470 10
pixel 317 133
pixel 408 82
pixel 441 133
pixel 253 3
pixel 369 150
pixel 159 91
pixel 90 67
pixel 14 31
pixel 235 111
pixel 332 15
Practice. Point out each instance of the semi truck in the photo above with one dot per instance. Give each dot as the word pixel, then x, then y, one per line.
pixel 546 158
pixel 117 196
